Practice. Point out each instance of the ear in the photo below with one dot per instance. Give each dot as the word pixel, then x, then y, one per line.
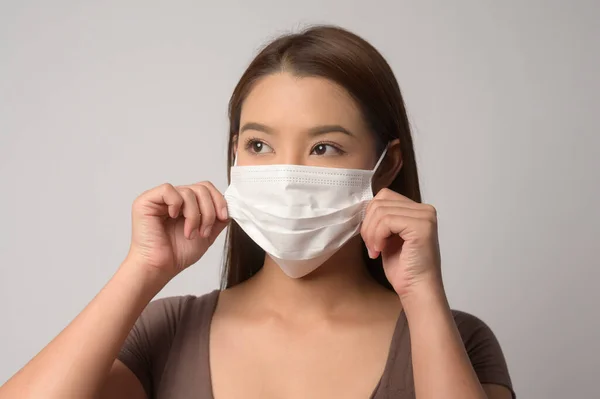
pixel 234 145
pixel 389 168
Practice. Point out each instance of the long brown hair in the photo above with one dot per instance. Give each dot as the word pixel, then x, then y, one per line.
pixel 338 55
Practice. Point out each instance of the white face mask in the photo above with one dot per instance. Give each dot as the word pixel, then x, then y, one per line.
pixel 299 215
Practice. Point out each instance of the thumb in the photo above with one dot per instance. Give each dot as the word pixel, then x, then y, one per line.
pixel 218 227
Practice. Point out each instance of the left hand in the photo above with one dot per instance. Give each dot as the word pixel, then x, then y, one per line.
pixel 405 234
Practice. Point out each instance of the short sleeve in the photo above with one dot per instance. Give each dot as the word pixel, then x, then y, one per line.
pixel 484 350
pixel 147 346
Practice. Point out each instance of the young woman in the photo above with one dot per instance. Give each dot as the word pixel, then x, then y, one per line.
pixel 327 291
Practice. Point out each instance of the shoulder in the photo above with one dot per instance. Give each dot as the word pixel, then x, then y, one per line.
pixel 477 336
pixel 470 325
pixel 148 345
pixel 483 349
pixel 176 307
pixel 183 300
pixel 160 320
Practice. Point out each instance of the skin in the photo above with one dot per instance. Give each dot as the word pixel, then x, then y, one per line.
pixel 325 335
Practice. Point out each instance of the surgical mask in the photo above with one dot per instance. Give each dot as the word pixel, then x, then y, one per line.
pixel 299 215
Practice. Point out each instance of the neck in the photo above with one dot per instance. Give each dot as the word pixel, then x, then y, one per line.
pixel 342 282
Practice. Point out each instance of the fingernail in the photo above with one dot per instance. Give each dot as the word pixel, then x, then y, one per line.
pixel 207 231
pixel 224 212
pixel 193 234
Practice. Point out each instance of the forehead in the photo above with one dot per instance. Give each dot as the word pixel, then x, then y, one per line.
pixel 284 100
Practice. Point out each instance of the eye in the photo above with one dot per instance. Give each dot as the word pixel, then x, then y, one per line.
pixel 256 146
pixel 326 149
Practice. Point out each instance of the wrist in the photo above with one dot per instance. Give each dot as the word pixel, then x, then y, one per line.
pixel 142 276
pixel 426 294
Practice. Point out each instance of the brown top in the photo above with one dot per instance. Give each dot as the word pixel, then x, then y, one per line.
pixel 167 350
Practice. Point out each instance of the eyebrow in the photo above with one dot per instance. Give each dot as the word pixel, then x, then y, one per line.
pixel 258 127
pixel 318 130
pixel 314 131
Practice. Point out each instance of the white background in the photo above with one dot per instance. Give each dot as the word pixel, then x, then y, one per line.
pixel 100 101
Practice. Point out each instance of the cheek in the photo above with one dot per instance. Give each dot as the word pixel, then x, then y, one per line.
pixel 366 154
pixel 361 161
pixel 246 159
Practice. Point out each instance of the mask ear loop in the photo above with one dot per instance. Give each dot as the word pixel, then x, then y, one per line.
pixel 374 170
pixel 380 159
pixel 235 144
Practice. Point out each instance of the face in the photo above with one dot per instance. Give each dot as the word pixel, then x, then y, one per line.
pixel 303 121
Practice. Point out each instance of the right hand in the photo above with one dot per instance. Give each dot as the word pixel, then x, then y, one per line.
pixel 172 227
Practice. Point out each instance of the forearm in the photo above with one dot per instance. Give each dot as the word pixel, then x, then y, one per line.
pixel 441 366
pixel 76 362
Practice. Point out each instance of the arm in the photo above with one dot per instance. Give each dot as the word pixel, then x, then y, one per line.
pixel 441 365
pixel 77 362
pixel 167 237
pixel 404 233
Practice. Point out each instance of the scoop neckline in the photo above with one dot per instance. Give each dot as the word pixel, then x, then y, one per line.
pixel 398 328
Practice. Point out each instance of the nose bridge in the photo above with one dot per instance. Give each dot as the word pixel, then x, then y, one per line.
pixel 291 158
pixel 291 151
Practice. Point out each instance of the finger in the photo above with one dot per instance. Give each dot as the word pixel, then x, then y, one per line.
pixel 406 227
pixel 190 211
pixel 207 209
pixel 366 231
pixel 387 194
pixel 392 208
pixel 216 230
pixel 382 209
pixel 163 200
pixel 381 230
pixel 218 200
pixel 379 207
pixel 401 201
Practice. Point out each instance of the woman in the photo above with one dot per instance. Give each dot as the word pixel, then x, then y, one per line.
pixel 322 283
